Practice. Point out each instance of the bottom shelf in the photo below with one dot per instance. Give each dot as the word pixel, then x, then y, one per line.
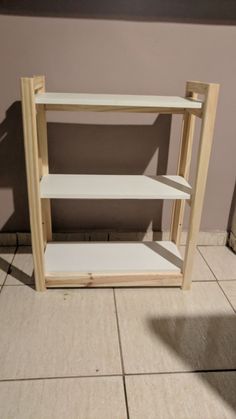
pixel 112 264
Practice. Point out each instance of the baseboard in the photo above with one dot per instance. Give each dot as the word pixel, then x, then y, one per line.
pixel 210 238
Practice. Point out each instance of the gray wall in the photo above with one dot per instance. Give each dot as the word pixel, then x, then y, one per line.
pixel 118 56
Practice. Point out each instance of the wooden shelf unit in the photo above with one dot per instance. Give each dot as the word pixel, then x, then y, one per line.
pixel 91 264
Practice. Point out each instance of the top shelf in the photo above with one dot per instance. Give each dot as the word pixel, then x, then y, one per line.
pixel 110 102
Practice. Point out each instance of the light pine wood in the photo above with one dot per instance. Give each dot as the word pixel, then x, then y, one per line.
pixel 39 84
pixel 42 186
pixel 39 81
pixel 197 87
pixel 183 169
pixel 32 168
pixel 114 187
pixel 166 279
pixel 206 137
pixel 113 264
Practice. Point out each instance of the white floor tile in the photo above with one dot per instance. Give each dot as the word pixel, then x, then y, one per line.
pixel 164 330
pixel 201 271
pixel 73 398
pixel 22 267
pixel 6 256
pixel 57 333
pixel 229 288
pixel 182 396
pixel 221 260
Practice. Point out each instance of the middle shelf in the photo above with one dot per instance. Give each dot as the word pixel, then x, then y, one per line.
pixel 56 186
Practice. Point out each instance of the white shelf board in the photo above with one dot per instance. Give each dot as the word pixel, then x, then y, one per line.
pixel 114 187
pixel 123 101
pixel 112 257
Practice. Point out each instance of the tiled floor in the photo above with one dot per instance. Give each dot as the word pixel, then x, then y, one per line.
pixel 119 354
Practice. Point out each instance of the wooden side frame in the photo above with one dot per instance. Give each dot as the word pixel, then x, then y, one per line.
pixel 211 92
pixel 183 167
pixel 39 81
pixel 28 88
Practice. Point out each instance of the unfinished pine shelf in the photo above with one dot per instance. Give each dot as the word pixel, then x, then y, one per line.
pixel 91 264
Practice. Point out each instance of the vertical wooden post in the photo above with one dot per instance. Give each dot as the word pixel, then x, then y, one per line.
pixel 211 92
pixel 33 178
pixel 43 155
pixel 183 170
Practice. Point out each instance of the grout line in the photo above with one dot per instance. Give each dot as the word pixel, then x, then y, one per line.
pixel 227 280
pixel 8 269
pixel 126 398
pixel 121 354
pixel 6 380
pixel 218 282
pixel 226 296
pixel 208 265
pixel 118 375
pixel 180 372
pixel 211 281
pixel 199 252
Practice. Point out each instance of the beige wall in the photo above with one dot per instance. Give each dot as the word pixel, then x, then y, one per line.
pixel 85 55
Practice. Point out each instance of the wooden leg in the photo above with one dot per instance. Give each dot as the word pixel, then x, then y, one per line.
pixel 206 136
pixel 183 170
pixel 32 168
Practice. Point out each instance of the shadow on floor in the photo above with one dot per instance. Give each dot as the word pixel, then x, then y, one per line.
pixel 14 271
pixel 204 343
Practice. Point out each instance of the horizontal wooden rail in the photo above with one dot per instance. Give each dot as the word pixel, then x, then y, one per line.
pixel 119 279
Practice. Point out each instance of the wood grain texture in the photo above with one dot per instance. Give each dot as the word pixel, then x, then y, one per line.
pixel 160 279
pixel 206 138
pixel 44 168
pixel 33 177
pixel 183 169
pixel 35 103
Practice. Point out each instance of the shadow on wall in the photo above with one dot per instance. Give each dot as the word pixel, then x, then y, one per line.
pixel 200 343
pixel 79 148
pixel 14 214
pixel 201 11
